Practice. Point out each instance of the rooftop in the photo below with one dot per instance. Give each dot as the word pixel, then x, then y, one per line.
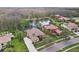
pixel 33 34
pixel 50 27
pixel 5 38
pixel 72 25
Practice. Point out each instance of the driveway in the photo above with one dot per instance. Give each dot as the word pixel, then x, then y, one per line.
pixel 60 45
pixel 29 45
pixel 0 46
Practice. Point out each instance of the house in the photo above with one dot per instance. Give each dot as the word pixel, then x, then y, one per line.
pixel 62 18
pixel 53 29
pixel 34 34
pixel 46 25
pixel 72 26
pixel 5 38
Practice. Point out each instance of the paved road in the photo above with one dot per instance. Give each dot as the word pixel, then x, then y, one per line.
pixel 60 45
pixel 29 45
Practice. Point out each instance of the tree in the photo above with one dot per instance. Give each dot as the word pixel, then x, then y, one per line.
pixel 24 24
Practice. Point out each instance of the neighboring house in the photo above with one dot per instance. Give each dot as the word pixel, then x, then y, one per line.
pixel 53 29
pixel 34 34
pixel 46 25
pixel 62 18
pixel 72 26
pixel 5 38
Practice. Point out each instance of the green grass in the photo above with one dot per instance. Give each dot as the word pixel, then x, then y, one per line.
pixel 17 43
pixel 67 31
pixel 48 39
pixel 56 22
pixel 74 49
pixel 18 46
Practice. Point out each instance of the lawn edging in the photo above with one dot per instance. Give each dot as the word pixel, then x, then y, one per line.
pixel 49 44
pixel 71 48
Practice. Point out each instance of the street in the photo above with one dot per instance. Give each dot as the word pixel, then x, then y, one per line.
pixel 60 45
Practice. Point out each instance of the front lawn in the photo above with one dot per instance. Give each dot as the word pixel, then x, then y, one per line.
pixel 48 39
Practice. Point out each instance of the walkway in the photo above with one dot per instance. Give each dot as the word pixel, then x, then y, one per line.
pixel 29 45
pixel 60 45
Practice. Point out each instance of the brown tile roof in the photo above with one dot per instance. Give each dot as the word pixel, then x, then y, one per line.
pixel 58 31
pixel 33 33
pixel 72 25
pixel 51 27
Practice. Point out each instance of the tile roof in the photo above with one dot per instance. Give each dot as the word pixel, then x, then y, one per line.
pixel 33 33
pixel 72 25
pixel 51 27
pixel 5 38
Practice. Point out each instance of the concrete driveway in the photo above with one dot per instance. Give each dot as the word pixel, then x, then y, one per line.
pixel 0 46
pixel 60 45
pixel 29 45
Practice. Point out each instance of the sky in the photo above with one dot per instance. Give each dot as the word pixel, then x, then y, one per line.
pixel 39 3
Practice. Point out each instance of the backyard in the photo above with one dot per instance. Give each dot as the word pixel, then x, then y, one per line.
pixel 17 43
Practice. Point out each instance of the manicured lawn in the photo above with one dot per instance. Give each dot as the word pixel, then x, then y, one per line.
pixel 74 49
pixel 43 42
pixel 46 40
pixel 18 46
pixel 67 31
pixel 56 22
